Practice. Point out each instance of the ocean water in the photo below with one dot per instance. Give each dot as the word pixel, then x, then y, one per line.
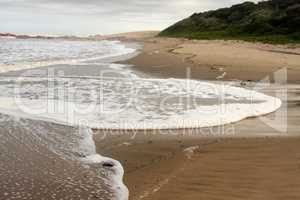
pixel 73 83
pixel 16 54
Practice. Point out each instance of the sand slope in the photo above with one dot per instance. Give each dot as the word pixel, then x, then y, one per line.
pixel 217 60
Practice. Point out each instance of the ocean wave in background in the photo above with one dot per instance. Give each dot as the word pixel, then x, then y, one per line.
pixel 18 54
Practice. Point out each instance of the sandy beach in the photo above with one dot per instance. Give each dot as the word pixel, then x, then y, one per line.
pixel 214 60
pixel 256 158
pixel 150 100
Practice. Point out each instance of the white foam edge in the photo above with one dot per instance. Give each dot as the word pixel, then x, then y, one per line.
pixel 190 119
pixel 117 171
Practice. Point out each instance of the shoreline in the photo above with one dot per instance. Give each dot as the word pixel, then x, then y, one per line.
pixel 256 162
pixel 215 59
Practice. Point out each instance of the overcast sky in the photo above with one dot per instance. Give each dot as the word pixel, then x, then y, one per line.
pixel 84 17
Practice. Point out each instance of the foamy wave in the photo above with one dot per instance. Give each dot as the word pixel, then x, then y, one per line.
pixel 19 55
pixel 114 168
pixel 141 104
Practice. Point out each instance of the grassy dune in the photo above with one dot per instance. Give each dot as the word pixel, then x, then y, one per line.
pixel 275 21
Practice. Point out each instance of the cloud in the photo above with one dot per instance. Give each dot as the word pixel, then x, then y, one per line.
pixel 126 14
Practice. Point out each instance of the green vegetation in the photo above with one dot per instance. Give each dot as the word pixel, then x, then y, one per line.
pixel 274 21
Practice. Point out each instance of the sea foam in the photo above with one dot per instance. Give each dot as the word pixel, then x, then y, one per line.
pixel 21 54
pixel 137 103
pixel 114 167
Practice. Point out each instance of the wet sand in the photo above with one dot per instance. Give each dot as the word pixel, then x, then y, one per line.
pixel 257 158
pixel 251 159
pixel 229 168
pixel 31 169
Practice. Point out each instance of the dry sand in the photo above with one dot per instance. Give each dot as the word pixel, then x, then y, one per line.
pixel 258 158
pixel 129 36
pixel 216 60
